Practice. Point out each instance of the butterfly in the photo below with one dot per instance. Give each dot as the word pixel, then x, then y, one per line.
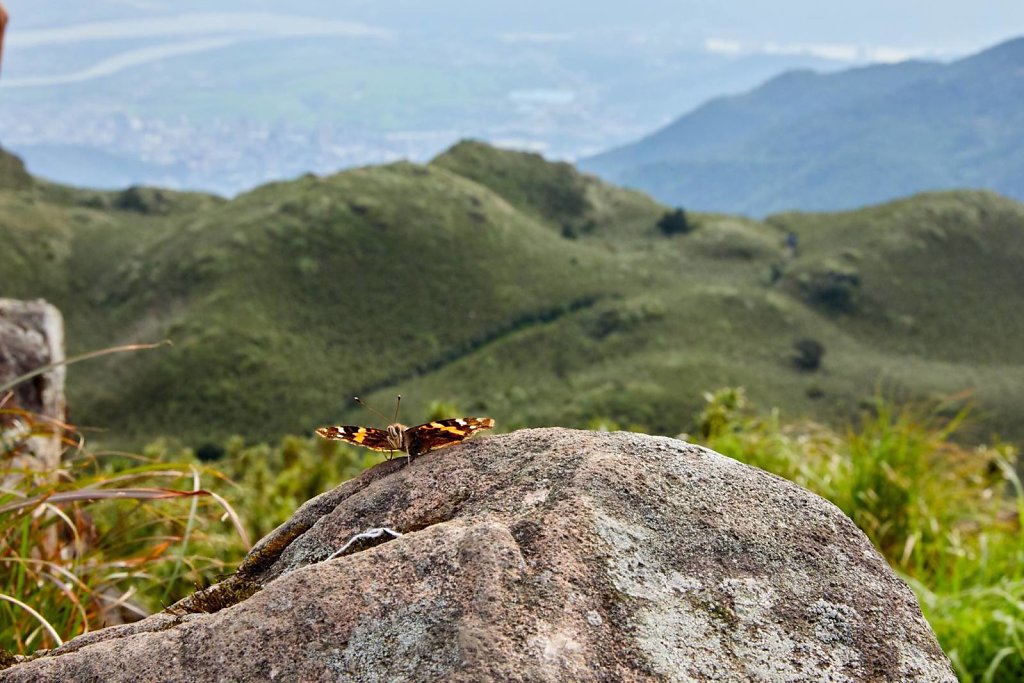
pixel 417 440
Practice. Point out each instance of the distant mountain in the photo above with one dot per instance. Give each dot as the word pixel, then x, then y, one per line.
pixel 813 141
pixel 509 286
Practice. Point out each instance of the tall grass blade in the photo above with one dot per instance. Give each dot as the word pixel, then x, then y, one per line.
pixel 76 359
pixel 99 494
pixel 37 616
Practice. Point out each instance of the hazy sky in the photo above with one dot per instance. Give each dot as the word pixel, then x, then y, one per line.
pixel 929 27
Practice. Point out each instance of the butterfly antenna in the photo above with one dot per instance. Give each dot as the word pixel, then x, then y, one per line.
pixel 375 412
pixel 397 403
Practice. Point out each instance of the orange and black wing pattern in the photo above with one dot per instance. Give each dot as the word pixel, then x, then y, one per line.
pixel 440 433
pixel 374 439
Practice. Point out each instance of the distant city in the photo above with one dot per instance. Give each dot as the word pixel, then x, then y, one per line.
pixel 219 156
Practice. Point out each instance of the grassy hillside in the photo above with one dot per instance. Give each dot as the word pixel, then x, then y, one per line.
pixel 576 205
pixel 12 172
pixel 834 141
pixel 502 284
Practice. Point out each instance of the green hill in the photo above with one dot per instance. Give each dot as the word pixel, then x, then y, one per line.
pixel 12 172
pixel 813 141
pixel 506 285
pixel 554 193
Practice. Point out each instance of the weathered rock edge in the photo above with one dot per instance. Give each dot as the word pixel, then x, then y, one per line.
pixel 542 555
pixel 32 336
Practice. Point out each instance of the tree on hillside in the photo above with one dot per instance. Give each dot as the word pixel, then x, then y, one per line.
pixel 674 222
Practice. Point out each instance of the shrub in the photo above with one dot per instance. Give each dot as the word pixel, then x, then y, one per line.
pixel 831 286
pixel 144 200
pixel 675 222
pixel 621 317
pixel 209 452
pixel 574 229
pixel 809 353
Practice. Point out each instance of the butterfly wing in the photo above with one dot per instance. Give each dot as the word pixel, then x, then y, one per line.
pixel 440 433
pixel 374 439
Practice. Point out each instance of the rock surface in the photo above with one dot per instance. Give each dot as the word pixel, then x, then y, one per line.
pixel 31 336
pixel 541 555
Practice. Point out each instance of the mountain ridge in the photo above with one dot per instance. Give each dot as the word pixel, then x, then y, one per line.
pixel 836 141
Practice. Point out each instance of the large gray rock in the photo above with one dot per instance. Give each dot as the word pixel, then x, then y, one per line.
pixel 542 555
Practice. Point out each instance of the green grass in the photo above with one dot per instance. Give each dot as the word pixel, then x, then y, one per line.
pixel 575 205
pixel 266 483
pixel 12 172
pixel 92 544
pixel 113 537
pixel 946 516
